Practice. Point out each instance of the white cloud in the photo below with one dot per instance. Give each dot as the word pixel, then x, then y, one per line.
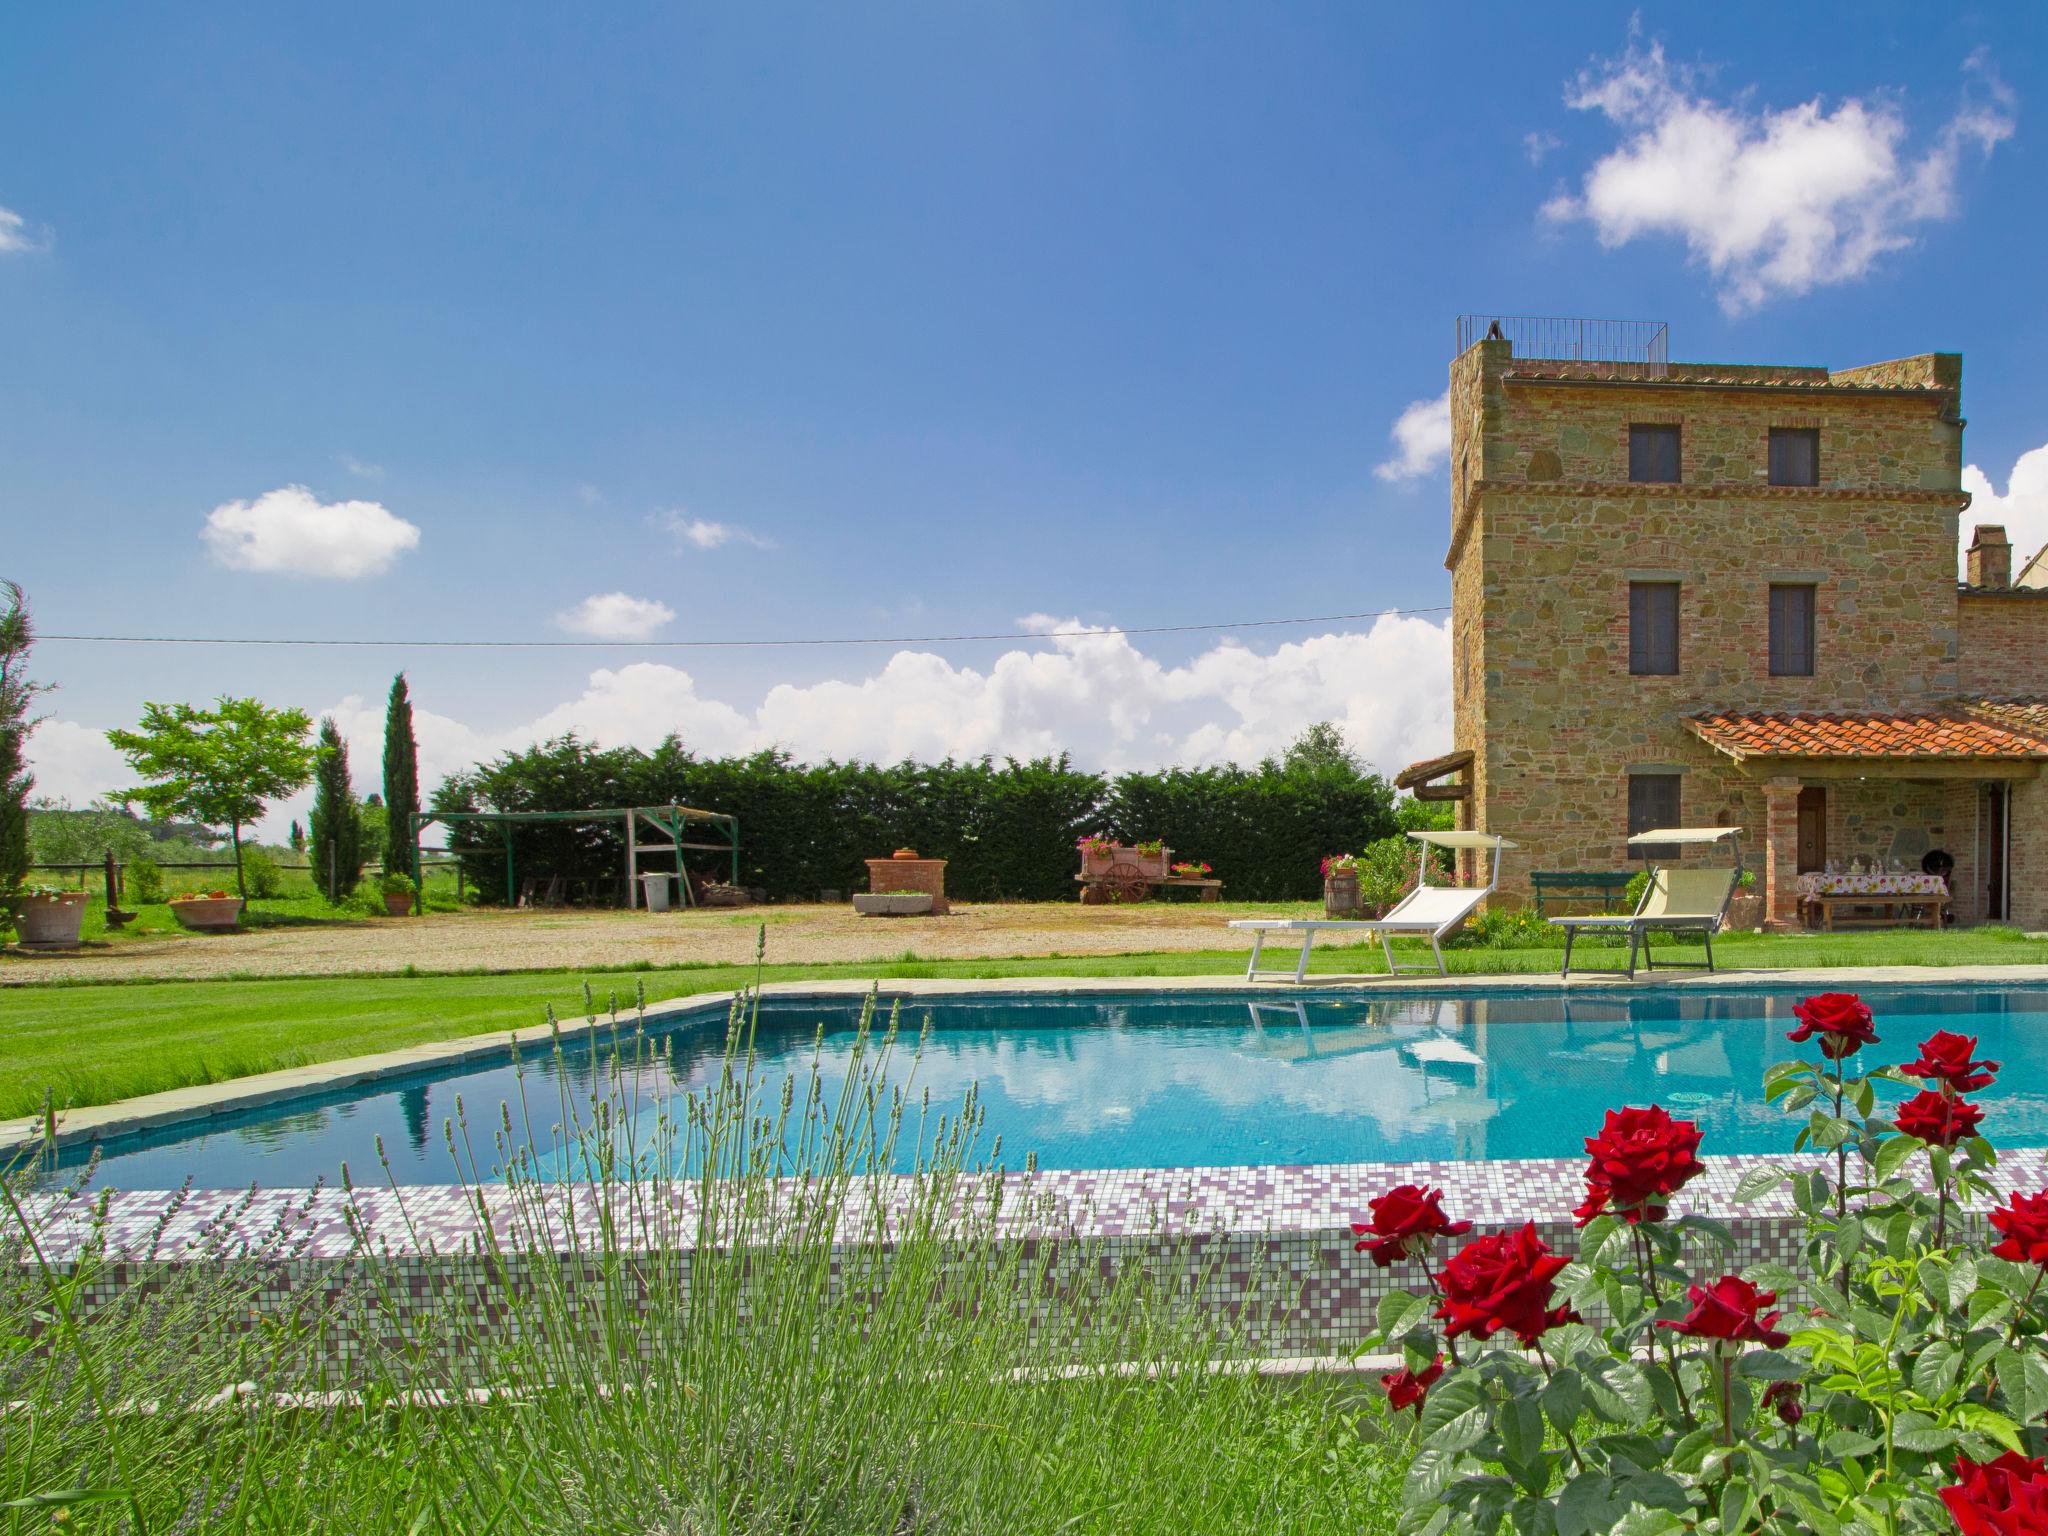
pixel 1422 439
pixel 1538 146
pixel 701 533
pixel 361 468
pixel 290 530
pixel 2022 510
pixel 1093 694
pixel 75 762
pixel 615 616
pixel 17 235
pixel 1769 201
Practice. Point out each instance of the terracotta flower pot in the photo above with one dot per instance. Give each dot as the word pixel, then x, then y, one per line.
pixel 51 922
pixel 208 914
pixel 397 903
pixel 904 853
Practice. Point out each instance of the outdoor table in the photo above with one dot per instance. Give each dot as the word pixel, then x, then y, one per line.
pixel 1822 893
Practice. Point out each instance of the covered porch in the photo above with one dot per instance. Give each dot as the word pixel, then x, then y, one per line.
pixel 1878 807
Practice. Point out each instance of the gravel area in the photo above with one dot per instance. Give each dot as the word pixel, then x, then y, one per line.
pixel 520 941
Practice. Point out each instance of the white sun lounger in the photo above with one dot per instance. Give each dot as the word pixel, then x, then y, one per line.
pixel 1675 901
pixel 1428 911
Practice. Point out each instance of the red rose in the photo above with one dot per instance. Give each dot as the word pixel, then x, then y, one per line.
pixel 2023 1225
pixel 1782 1398
pixel 1937 1119
pixel 1407 1389
pixel 1841 1019
pixel 1945 1059
pixel 1728 1310
pixel 1404 1220
pixel 1641 1158
pixel 2005 1497
pixel 1502 1281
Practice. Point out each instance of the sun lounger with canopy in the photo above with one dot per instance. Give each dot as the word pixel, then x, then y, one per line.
pixel 1675 901
pixel 1428 911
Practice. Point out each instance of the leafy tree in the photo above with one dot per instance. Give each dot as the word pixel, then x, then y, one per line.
pixel 1413 815
pixel 1321 749
pixel 401 781
pixel 336 852
pixel 61 835
pixel 217 765
pixel 17 698
pixel 297 837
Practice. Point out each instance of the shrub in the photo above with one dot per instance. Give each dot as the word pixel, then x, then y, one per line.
pixel 142 883
pixel 1386 871
pixel 260 874
pixel 1008 829
pixel 1499 928
pixel 1882 1380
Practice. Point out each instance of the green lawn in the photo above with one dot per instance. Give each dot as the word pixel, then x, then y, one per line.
pixel 96 1042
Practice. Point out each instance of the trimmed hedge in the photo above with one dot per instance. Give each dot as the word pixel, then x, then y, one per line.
pixel 1008 828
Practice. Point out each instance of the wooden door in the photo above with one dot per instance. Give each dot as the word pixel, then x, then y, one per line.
pixel 1813 829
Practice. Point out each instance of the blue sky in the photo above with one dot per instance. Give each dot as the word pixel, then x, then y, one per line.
pixel 901 321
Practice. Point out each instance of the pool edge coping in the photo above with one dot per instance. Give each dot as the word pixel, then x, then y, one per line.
pixel 202 1101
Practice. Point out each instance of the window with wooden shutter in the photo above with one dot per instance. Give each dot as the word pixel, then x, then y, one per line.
pixel 1653 628
pixel 1795 456
pixel 1653 806
pixel 1653 455
pixel 1792 607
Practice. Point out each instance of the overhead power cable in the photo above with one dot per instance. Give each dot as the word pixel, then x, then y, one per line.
pixel 736 645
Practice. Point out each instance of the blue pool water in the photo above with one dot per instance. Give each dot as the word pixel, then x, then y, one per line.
pixel 1152 1080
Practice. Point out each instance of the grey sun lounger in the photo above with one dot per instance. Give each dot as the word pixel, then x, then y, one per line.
pixel 1428 911
pixel 1675 902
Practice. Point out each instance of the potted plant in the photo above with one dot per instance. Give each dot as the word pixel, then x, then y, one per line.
pixel 1190 871
pixel 399 891
pixel 1150 856
pixel 206 911
pixel 1340 885
pixel 1098 850
pixel 48 918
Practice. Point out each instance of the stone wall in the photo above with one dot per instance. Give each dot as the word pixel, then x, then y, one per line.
pixel 2030 855
pixel 1555 430
pixel 2002 642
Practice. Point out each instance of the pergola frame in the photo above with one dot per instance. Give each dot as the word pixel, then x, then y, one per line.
pixel 667 820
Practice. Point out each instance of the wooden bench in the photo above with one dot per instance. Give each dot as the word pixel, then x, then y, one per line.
pixel 1934 904
pixel 1602 885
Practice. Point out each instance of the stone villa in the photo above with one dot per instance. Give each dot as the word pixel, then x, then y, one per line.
pixel 1719 594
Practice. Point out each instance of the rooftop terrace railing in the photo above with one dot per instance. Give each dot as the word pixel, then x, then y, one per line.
pixel 1643 343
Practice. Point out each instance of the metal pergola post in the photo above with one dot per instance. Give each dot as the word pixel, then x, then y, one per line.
pixel 728 843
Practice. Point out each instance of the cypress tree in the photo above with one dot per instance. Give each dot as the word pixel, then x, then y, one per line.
pixel 335 844
pixel 17 697
pixel 401 781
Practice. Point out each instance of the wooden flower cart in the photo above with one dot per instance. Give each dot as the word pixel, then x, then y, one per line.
pixel 1123 874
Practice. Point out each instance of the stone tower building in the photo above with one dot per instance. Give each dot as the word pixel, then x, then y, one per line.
pixel 1704 594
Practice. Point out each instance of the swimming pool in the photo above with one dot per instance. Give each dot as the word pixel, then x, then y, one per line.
pixel 1175 1079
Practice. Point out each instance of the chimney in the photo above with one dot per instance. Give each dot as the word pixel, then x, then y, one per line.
pixel 1989 563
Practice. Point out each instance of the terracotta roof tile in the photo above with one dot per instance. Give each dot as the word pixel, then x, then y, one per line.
pixel 1964 732
pixel 2029 715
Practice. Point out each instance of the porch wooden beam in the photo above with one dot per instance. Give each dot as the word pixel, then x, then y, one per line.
pixel 1442 792
pixel 1889 770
